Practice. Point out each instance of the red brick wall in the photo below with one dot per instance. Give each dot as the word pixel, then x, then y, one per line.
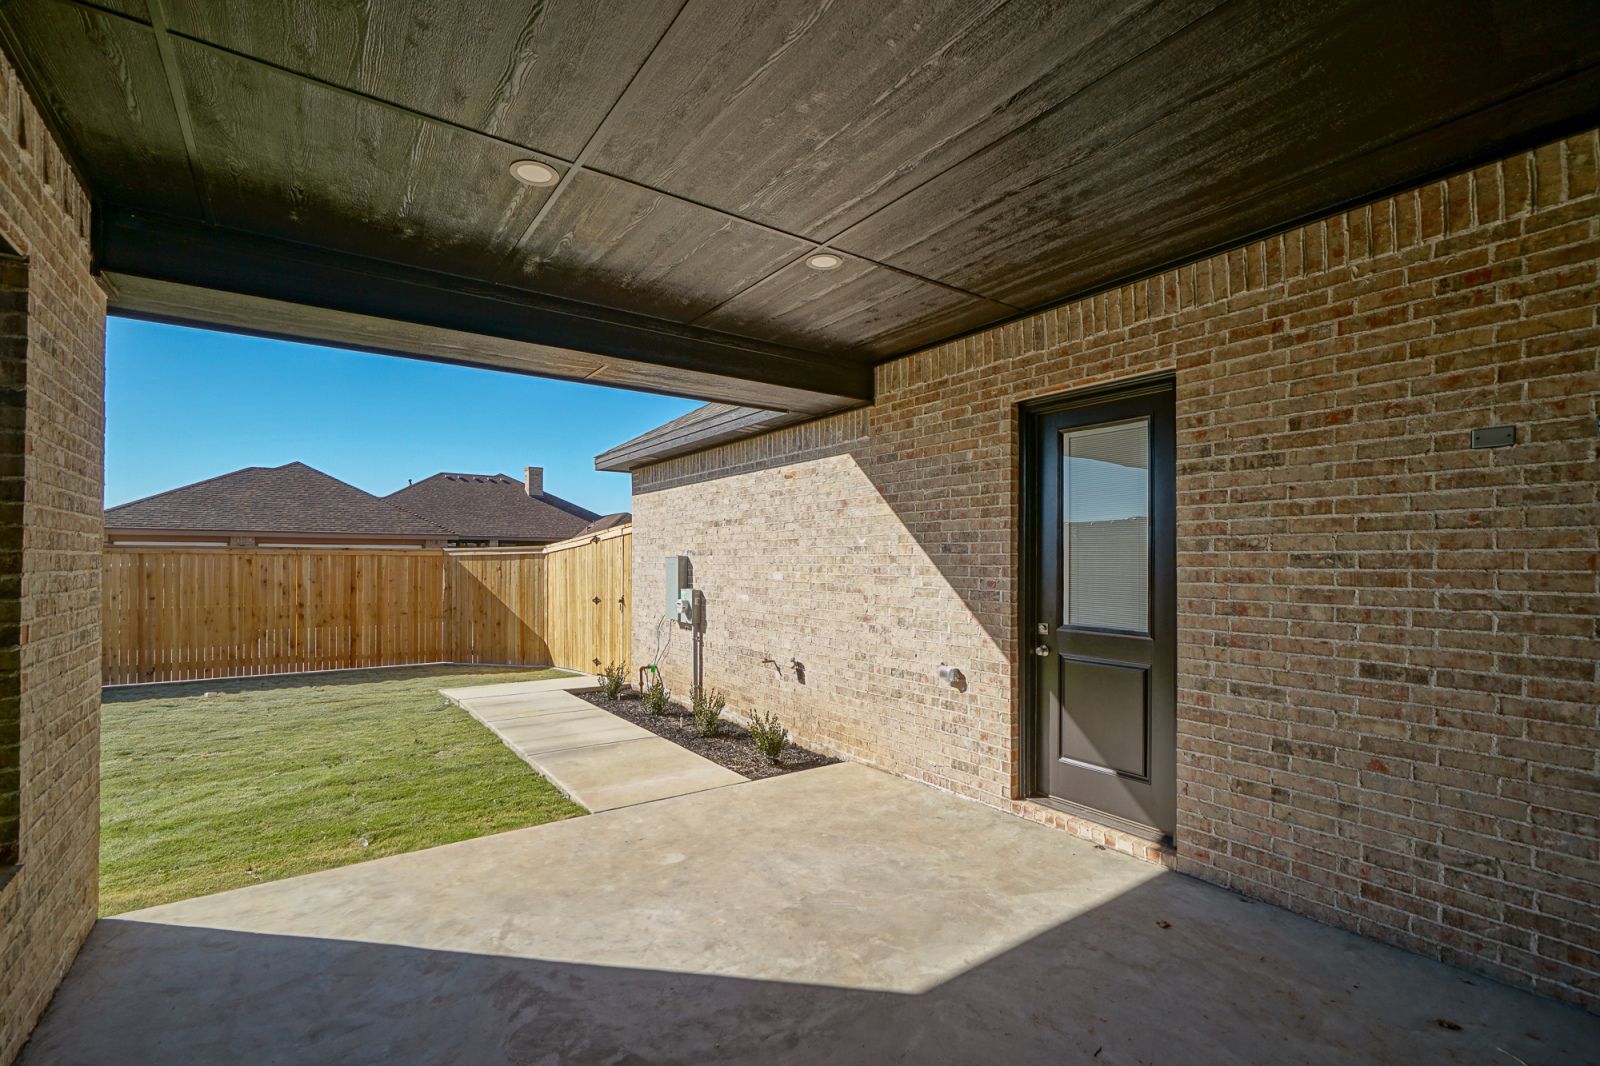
pixel 52 360
pixel 1388 641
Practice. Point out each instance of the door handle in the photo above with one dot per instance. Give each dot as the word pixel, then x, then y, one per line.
pixel 1041 651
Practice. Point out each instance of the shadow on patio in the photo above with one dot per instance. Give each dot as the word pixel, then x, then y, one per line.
pixel 840 915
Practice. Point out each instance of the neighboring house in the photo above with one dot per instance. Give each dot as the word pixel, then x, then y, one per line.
pixel 492 510
pixel 295 505
pixel 287 506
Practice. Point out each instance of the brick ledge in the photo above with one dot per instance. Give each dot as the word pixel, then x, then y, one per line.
pixel 1164 855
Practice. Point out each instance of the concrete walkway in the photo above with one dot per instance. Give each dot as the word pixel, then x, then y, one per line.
pixel 835 916
pixel 601 761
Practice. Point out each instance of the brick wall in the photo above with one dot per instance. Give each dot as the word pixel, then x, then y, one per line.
pixel 51 437
pixel 13 447
pixel 1388 641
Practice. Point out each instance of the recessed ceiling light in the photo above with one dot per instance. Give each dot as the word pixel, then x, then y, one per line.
pixel 533 172
pixel 823 261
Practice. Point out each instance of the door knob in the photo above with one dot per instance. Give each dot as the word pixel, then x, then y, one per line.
pixel 1041 651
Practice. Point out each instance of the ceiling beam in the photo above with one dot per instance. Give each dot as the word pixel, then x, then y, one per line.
pixel 178 271
pixel 180 104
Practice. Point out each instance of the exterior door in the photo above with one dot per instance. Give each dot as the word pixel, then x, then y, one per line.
pixel 1102 642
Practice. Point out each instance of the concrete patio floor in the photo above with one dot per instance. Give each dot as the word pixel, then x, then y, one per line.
pixel 838 915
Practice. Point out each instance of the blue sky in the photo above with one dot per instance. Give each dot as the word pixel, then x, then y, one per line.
pixel 185 404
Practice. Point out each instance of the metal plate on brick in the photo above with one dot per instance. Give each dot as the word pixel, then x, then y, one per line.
pixel 1494 437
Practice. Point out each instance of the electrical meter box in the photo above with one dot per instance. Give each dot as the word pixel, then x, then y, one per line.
pixel 679 581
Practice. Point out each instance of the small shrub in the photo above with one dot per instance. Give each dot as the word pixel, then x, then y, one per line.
pixel 612 679
pixel 768 734
pixel 657 698
pixel 708 708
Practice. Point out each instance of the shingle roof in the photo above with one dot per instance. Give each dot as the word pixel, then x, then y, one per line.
pixel 605 522
pixel 293 498
pixel 492 506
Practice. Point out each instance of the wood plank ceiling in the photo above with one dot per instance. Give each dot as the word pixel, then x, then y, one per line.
pixel 967 160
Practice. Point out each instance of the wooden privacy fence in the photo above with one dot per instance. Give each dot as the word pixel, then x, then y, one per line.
pixel 176 614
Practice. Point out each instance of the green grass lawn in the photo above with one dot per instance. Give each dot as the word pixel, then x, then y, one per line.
pixel 272 777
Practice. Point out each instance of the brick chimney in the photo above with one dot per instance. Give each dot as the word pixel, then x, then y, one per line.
pixel 533 479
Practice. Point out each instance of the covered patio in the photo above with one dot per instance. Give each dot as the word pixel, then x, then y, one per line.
pixel 1173 423
pixel 835 915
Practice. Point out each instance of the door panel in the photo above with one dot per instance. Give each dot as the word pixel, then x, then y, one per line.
pixel 1097 731
pixel 1102 548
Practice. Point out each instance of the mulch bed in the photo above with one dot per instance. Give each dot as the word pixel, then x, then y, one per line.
pixel 733 748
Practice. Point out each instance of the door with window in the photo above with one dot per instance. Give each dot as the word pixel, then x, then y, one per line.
pixel 1102 637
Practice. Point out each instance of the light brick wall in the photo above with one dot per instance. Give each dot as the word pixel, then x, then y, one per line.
pixel 13 449
pixel 1388 642
pixel 55 375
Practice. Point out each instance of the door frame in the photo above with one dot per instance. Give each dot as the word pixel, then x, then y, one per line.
pixel 1029 567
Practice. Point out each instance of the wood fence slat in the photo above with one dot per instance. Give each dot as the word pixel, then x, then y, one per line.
pixel 174 614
